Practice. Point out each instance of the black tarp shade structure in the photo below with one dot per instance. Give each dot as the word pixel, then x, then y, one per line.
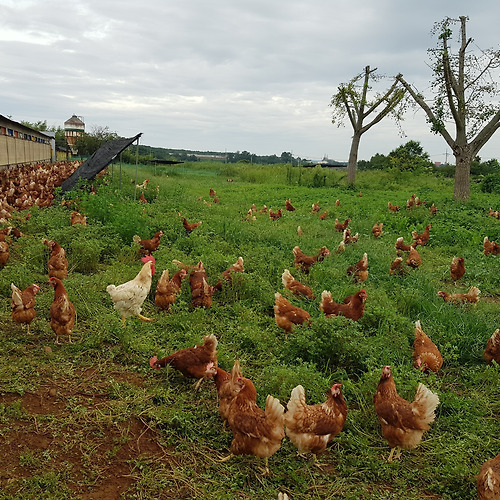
pixel 98 161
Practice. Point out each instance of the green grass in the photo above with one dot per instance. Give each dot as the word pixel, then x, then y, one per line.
pixel 111 420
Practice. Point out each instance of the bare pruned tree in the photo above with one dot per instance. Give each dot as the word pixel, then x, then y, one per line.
pixel 352 101
pixel 465 87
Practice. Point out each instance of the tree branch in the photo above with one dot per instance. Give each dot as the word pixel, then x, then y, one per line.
pixel 428 111
pixel 486 132
pixel 451 84
pixel 343 96
pixel 385 97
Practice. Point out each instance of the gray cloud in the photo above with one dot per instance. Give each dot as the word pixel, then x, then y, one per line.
pixel 254 76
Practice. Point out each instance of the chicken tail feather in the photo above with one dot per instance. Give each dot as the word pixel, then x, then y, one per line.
pixel 425 403
pixel 210 341
pixel 326 298
pixel 286 278
pixel 275 413
pixel 297 399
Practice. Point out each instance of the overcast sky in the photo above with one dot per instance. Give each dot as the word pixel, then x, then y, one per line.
pixel 225 75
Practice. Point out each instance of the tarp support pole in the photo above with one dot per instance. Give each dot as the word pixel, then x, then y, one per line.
pixel 136 164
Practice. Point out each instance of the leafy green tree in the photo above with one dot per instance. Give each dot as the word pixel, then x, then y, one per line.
pixel 245 156
pixel 39 125
pixel 479 167
pixel 352 101
pixel 377 162
pixel 42 126
pixel 409 156
pixel 60 138
pixel 89 143
pixel 466 94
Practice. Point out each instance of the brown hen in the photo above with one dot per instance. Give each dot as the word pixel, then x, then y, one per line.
pixel 490 247
pixel 286 315
pixel 57 263
pixel 151 245
pixel 377 229
pixel 426 355
pixel 359 271
pixel 227 275
pixel 472 296
pixel 352 308
pixel 341 226
pixel 492 351
pixel 255 431
pixel 295 286
pixel 62 311
pixel 304 262
pixel 457 268
pixel 488 480
pixel 23 304
pixel 311 427
pixel 197 362
pixel 167 289
pixel 403 423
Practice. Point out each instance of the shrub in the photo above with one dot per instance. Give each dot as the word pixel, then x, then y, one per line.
pixel 491 184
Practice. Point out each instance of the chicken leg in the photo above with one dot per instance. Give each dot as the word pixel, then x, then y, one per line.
pixel 58 342
pixel 226 459
pixel 197 385
pixel 264 470
pixel 140 316
pixel 391 454
pixel 316 462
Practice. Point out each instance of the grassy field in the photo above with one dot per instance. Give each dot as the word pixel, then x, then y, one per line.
pixel 91 420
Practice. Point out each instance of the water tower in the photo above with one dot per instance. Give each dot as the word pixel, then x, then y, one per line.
pixel 74 127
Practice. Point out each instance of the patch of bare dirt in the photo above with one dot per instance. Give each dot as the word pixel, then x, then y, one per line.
pixel 97 456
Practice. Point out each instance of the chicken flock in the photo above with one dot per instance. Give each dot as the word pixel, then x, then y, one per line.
pixel 256 431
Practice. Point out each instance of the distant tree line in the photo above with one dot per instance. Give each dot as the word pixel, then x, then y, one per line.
pixel 148 154
pixel 412 157
pixel 409 157
pixel 89 142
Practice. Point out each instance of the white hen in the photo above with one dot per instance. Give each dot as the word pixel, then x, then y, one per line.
pixel 129 297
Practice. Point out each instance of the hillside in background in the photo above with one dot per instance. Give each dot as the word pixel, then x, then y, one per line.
pixel 157 153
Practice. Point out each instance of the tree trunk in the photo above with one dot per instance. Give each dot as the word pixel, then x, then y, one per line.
pixel 461 191
pixel 353 158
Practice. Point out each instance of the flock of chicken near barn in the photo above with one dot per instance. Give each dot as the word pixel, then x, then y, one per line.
pixel 255 431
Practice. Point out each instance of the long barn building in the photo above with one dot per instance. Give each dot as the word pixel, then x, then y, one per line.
pixel 21 145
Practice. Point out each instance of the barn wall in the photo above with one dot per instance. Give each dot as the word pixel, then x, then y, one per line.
pixel 15 151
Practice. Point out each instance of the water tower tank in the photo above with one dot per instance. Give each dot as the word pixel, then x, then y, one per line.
pixel 74 127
